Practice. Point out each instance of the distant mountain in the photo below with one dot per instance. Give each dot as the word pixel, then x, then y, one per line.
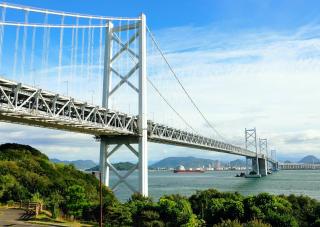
pixel 118 166
pixel 187 162
pixel 79 164
pixel 238 163
pixel 310 159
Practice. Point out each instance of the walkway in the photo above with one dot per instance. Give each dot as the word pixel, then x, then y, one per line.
pixel 10 217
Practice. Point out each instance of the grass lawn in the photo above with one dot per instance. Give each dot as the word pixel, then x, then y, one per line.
pixel 45 219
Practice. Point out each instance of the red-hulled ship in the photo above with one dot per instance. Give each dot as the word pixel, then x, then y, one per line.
pixel 181 169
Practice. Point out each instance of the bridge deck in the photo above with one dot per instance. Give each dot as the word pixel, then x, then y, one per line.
pixel 28 105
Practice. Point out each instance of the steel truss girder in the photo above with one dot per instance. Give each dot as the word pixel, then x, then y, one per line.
pixel 158 133
pixel 64 113
pixel 27 102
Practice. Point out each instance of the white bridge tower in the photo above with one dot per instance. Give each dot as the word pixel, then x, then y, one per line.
pixel 110 58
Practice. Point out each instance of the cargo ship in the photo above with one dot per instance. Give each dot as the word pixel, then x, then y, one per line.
pixel 181 169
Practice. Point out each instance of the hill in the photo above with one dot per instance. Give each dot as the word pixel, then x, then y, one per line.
pixel 310 159
pixel 238 163
pixel 79 164
pixel 188 162
pixel 25 171
pixel 119 166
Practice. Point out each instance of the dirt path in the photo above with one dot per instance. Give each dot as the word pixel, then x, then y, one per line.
pixel 11 217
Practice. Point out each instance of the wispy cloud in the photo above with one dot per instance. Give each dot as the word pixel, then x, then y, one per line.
pixel 264 79
pixel 267 80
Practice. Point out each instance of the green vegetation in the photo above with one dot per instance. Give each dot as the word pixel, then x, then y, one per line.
pixel 27 174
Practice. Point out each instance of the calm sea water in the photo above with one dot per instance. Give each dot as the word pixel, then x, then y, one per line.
pixel 306 182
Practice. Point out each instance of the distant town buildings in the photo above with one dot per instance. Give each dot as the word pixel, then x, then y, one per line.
pixel 296 166
pixel 217 165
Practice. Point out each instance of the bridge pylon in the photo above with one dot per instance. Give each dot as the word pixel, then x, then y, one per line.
pixel 110 58
pixel 251 144
pixel 274 164
pixel 263 148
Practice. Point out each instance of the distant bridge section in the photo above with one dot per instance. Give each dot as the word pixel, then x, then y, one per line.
pixel 297 166
pixel 24 104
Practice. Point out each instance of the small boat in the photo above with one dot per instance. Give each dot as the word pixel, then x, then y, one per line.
pixel 253 174
pixel 242 174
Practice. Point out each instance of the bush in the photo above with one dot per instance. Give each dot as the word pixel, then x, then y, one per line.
pixel 10 203
pixel 53 203
pixel 281 220
pixel 304 209
pixel 27 174
pixel 229 223
pixel 75 201
pixel 256 223
pixel 118 215
pixel 175 210
pixel 316 223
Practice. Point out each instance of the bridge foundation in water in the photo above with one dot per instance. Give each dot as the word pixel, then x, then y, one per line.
pixel 263 171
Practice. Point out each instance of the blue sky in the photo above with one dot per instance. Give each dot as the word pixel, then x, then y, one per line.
pixel 229 15
pixel 247 64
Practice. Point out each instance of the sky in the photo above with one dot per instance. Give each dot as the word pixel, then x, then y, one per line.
pixel 246 63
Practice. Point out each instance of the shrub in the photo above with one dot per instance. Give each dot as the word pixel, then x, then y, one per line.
pixel 229 223
pixel 10 203
pixel 256 223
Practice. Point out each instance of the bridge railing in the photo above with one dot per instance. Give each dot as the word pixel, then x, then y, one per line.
pixel 50 108
pixel 25 104
pixel 31 208
pixel 184 138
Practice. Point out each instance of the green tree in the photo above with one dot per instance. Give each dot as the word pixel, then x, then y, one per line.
pixel 75 200
pixel 272 209
pixel 281 220
pixel 144 211
pixel 304 209
pixel 175 210
pixel 36 197
pixel 118 215
pixel 224 209
pixel 53 203
pixel 229 223
pixel 256 223
pixel 316 223
pixel 214 206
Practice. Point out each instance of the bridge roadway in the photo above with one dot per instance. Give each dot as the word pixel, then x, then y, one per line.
pixel 27 105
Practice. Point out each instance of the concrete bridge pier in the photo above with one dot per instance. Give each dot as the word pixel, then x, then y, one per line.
pixel 255 165
pixel 259 165
pixel 263 170
pixel 275 166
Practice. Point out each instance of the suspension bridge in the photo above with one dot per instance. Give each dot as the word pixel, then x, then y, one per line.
pixel 44 51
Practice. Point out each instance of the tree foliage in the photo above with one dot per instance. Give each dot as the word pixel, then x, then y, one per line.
pixel 27 174
pixel 75 200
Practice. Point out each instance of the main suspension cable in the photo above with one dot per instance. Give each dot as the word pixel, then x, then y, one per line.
pixel 160 94
pixel 172 108
pixel 181 85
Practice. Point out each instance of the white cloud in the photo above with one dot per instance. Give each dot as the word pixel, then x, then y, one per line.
pixel 269 80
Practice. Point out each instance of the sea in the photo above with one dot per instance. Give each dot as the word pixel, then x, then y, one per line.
pixel 299 182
